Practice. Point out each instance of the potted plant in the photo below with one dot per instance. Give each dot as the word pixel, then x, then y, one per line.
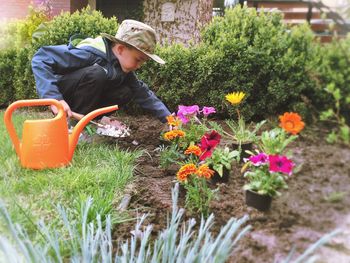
pixel 266 175
pixel 220 161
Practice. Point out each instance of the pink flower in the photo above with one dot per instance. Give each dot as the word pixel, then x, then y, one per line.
pixel 280 164
pixel 208 110
pixel 187 111
pixel 208 143
pixel 259 159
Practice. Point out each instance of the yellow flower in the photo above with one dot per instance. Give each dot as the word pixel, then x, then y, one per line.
pixel 235 97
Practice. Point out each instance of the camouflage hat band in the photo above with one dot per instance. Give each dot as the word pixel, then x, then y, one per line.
pixel 138 35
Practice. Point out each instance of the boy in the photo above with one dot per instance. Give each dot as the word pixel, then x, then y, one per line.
pixel 99 72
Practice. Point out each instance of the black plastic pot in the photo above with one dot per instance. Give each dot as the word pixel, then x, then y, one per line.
pixel 258 201
pixel 216 178
pixel 245 146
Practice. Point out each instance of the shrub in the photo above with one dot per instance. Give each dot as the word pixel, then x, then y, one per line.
pixel 6 72
pixel 26 27
pixel 24 83
pixel 244 51
pixel 8 34
pixel 331 68
pixel 86 22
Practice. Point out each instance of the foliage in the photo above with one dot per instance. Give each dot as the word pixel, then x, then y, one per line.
pixel 8 31
pixel 275 141
pixel 27 26
pixel 244 51
pixel 89 242
pixel 198 196
pixel 331 70
pixel 86 22
pixel 6 72
pixel 170 155
pixel 341 131
pixel 221 159
pixel 24 83
pixel 243 133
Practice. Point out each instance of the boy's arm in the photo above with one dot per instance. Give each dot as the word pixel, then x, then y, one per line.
pixel 51 61
pixel 148 100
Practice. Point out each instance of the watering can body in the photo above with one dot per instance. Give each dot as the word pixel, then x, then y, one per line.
pixel 46 143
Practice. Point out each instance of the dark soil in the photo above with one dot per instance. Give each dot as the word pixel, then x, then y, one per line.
pixel 316 202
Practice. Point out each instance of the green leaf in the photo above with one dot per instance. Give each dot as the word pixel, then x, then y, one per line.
pixel 345 134
pixel 332 137
pixel 326 115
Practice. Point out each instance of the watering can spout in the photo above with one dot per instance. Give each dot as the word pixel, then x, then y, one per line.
pixel 74 136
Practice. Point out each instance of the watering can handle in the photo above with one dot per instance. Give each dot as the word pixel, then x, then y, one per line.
pixel 27 103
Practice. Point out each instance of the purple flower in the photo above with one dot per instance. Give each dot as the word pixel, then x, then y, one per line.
pixel 208 110
pixel 280 164
pixel 187 111
pixel 259 159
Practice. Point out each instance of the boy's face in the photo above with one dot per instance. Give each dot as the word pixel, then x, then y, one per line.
pixel 130 59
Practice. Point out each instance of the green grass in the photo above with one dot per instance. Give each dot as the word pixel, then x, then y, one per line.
pixel 97 170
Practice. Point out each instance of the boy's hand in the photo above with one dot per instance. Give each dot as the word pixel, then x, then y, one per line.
pixel 66 108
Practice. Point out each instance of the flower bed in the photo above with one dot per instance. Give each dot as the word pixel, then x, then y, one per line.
pixel 308 209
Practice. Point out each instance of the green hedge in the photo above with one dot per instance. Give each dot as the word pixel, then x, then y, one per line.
pixel 242 51
pixel 332 67
pixel 280 69
pixel 7 92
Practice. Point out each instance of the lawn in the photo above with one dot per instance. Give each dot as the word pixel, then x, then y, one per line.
pixel 98 171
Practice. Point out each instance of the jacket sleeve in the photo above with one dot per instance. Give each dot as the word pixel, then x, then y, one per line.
pixel 49 62
pixel 147 99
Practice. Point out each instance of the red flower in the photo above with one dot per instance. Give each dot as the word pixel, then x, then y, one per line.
pixel 208 143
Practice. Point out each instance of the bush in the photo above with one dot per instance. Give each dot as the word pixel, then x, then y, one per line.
pixel 86 22
pixel 242 51
pixel 331 67
pixel 6 72
pixel 26 27
pixel 8 30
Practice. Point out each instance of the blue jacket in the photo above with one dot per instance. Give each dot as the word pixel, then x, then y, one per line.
pixel 51 62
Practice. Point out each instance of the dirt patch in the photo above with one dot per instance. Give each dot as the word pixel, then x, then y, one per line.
pixel 315 203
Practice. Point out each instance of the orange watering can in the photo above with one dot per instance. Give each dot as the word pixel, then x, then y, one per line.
pixel 46 143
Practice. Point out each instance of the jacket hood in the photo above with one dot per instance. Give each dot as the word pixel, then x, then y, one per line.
pixel 96 45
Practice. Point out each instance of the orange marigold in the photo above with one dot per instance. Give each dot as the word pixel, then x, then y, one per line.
pixel 179 133
pixel 205 171
pixel 173 120
pixel 291 122
pixel 193 149
pixel 185 171
pixel 170 135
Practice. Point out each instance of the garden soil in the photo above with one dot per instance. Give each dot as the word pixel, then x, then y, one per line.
pixel 316 202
